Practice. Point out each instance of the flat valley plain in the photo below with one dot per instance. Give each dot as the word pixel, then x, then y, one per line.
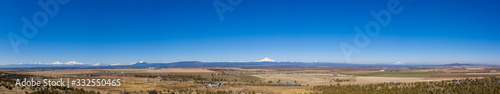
pixel 244 80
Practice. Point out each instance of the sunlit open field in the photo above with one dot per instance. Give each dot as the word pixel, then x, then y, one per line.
pixel 243 80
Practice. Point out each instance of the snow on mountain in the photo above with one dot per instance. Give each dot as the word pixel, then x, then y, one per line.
pixel 267 60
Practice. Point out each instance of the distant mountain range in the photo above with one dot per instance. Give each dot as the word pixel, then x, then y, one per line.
pixel 181 64
pixel 459 64
pixel 163 65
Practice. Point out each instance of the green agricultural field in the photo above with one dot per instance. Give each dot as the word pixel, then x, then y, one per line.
pixel 396 74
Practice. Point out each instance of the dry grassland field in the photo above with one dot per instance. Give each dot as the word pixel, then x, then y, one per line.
pixel 238 80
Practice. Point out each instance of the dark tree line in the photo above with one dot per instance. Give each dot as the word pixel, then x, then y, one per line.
pixel 198 91
pixel 486 85
pixel 62 90
pixel 181 78
pixel 7 81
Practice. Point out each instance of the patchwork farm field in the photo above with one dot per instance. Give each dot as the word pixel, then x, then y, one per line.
pixel 395 74
pixel 236 80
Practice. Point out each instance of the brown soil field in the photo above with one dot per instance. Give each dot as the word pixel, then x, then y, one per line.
pixel 248 80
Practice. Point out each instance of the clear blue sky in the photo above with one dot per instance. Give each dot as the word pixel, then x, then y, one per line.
pixel 124 31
